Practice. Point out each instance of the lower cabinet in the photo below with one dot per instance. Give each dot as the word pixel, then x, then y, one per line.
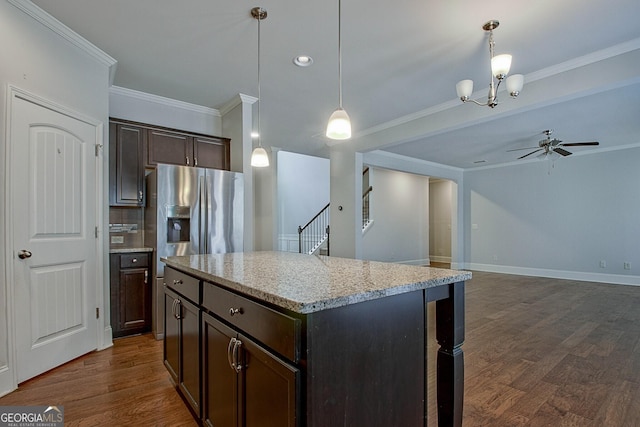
pixel 130 293
pixel 243 383
pixel 182 346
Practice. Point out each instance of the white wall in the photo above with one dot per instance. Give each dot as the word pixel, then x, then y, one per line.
pixel 399 208
pixel 524 220
pixel 302 191
pixel 142 107
pixel 61 67
pixel 440 195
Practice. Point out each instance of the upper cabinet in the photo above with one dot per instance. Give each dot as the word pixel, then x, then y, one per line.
pixel 135 146
pixel 126 164
pixel 186 149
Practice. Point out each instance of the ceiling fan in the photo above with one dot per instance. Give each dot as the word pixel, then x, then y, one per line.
pixel 548 146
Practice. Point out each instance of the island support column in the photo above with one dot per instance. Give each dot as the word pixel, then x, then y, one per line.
pixel 450 371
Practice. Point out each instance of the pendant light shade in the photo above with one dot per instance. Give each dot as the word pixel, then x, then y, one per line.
pixel 259 156
pixel 339 126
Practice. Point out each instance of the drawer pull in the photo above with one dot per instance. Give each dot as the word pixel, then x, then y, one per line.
pixel 234 311
pixel 134 260
pixel 177 281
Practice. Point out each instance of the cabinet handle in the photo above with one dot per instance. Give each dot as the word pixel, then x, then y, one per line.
pixel 233 350
pixel 178 313
pixel 230 347
pixel 187 160
pixel 146 277
pixel 140 195
pixel 177 282
pixel 134 260
pixel 234 311
pixel 236 350
pixel 195 161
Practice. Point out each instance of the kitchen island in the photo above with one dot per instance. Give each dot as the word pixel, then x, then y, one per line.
pixel 285 339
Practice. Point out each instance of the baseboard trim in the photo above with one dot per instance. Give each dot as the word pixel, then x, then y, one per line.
pixel 615 279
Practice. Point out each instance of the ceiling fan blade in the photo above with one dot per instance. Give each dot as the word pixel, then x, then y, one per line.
pixel 527 155
pixel 561 151
pixel 525 148
pixel 578 144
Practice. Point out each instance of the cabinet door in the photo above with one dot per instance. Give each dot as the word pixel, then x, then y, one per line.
pixel 190 353
pixel 219 379
pixel 169 147
pixel 269 388
pixel 171 334
pixel 211 152
pixel 135 299
pixel 126 166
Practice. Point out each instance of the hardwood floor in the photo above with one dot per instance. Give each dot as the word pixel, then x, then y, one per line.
pixel 538 352
pixel 125 385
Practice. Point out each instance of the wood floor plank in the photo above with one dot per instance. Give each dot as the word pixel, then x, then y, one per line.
pixel 538 352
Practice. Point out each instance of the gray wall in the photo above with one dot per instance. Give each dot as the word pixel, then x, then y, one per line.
pixel 400 212
pixel 530 218
pixel 440 196
pixel 302 190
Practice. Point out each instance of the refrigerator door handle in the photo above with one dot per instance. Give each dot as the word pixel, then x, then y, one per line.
pixel 202 226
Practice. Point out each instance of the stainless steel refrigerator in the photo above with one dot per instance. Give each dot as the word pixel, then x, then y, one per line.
pixel 190 211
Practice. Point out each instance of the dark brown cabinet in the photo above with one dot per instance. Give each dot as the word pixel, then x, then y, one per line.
pixel 126 164
pixel 181 148
pixel 182 336
pixel 244 384
pixel 130 293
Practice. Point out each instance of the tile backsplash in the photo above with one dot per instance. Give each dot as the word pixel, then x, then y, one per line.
pixel 126 227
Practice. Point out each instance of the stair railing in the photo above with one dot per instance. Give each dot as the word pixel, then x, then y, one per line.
pixel 365 208
pixel 314 233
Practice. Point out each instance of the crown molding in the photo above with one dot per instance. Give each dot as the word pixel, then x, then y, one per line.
pixel 240 98
pixel 161 100
pixel 68 34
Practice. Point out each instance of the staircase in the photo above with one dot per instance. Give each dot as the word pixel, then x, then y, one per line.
pixel 315 233
pixel 314 236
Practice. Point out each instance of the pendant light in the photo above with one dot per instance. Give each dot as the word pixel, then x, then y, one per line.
pixel 259 156
pixel 339 126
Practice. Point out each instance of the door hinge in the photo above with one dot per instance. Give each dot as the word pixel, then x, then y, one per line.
pixel 97 312
pixel 96 231
pixel 98 147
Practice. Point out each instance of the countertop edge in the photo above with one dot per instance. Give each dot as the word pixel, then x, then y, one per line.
pixel 327 303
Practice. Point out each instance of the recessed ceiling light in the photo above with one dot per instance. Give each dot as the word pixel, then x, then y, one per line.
pixel 303 60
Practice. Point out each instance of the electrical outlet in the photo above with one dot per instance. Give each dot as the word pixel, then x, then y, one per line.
pixel 603 263
pixel 117 239
pixel 627 266
pixel 495 257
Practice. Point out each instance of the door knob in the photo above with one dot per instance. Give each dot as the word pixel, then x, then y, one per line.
pixel 23 254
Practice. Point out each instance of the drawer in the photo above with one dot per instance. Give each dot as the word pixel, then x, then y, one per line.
pixel 275 330
pixel 134 260
pixel 185 285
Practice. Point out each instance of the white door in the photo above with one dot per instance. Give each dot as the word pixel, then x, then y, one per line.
pixel 53 203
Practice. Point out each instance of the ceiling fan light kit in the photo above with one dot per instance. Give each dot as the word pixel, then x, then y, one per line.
pixel 552 148
pixel 500 67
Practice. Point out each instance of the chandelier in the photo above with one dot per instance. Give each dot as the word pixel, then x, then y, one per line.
pixel 500 66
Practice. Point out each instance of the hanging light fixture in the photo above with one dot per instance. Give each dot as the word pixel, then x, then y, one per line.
pixel 259 156
pixel 500 66
pixel 339 126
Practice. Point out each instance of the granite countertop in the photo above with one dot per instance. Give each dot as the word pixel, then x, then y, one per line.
pixel 129 250
pixel 309 283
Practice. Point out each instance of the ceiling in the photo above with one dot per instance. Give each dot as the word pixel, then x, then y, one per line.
pixel 401 61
